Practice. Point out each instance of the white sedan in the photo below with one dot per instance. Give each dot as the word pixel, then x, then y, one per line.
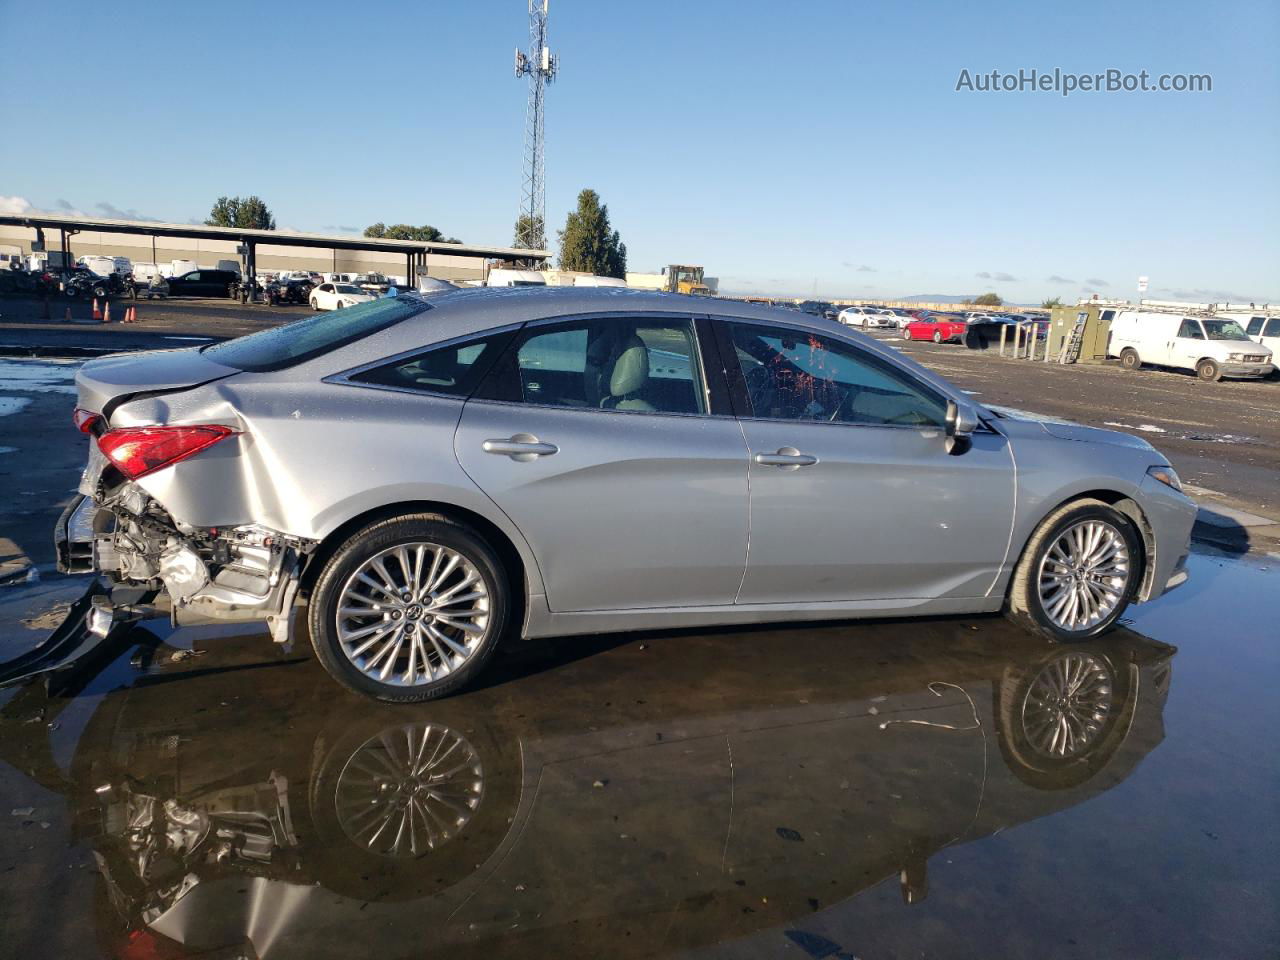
pixel 867 317
pixel 335 296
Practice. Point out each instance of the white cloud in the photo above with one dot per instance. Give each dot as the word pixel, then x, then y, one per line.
pixel 14 206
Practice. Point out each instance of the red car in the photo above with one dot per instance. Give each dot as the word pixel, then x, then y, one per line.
pixel 939 329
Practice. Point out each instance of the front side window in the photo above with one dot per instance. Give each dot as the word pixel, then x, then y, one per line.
pixel 1190 330
pixel 1273 328
pixel 1255 326
pixel 638 365
pixel 454 369
pixel 793 375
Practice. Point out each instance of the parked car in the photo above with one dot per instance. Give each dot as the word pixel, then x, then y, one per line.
pixel 1211 347
pixel 335 296
pixel 940 328
pixel 204 283
pixel 867 317
pixel 818 308
pixel 435 474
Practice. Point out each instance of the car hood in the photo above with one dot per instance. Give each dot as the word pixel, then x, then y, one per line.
pixel 105 382
pixel 1066 430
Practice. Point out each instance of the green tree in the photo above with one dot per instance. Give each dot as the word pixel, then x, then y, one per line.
pixel 247 212
pixel 988 300
pixel 403 231
pixel 1051 303
pixel 588 243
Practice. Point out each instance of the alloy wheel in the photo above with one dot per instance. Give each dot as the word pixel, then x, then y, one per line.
pixel 1067 705
pixel 413 614
pixel 1084 575
pixel 409 789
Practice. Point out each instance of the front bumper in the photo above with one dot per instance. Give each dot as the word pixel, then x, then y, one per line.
pixel 1234 369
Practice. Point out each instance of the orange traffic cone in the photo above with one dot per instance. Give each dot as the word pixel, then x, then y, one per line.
pixel 97 312
pixel 131 315
pixel 106 314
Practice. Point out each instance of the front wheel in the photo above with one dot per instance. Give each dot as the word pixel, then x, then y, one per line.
pixel 1079 572
pixel 906 333
pixel 937 336
pixel 409 609
pixel 1209 371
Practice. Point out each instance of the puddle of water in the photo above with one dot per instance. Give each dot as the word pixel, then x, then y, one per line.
pixel 12 405
pixel 948 787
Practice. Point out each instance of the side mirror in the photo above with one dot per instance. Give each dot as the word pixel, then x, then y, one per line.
pixel 962 420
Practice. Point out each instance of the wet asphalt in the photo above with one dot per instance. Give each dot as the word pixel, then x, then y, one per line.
pixel 875 790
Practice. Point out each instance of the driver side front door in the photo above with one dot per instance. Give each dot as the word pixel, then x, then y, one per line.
pixel 853 494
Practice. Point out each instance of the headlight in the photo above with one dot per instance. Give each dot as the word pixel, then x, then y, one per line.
pixel 1235 356
pixel 1166 475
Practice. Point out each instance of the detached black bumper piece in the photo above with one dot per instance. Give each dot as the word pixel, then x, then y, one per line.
pixel 88 625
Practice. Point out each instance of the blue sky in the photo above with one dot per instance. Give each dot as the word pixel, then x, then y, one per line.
pixel 793 147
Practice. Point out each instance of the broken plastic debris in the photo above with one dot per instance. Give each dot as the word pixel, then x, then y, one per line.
pixel 22 811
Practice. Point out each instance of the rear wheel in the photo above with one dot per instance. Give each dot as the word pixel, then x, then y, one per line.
pixel 409 609
pixel 1078 574
pixel 1209 371
pixel 1129 359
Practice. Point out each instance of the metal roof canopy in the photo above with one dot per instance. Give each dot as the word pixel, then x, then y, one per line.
pixel 267 237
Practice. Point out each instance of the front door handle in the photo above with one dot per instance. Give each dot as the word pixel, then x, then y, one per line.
pixel 787 458
pixel 520 446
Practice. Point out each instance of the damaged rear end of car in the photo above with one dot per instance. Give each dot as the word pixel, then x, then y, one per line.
pixel 161 430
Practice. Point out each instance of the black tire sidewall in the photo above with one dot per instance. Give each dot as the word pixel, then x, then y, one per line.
pixel 322 607
pixel 1137 563
pixel 1207 370
pixel 1129 359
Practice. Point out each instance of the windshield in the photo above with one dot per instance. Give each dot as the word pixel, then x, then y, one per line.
pixel 1223 330
pixel 302 340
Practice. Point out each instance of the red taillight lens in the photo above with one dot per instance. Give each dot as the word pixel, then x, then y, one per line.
pixel 137 451
pixel 84 419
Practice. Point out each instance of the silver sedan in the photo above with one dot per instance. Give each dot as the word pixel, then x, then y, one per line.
pixel 428 476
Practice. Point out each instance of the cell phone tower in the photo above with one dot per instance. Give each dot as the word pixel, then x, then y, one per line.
pixel 540 66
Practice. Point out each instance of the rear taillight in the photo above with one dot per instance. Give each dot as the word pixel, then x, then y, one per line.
pixel 84 419
pixel 137 451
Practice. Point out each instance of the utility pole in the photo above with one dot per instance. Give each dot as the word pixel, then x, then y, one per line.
pixel 540 66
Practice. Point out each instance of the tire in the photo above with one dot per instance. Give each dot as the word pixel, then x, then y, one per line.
pixel 71 292
pixel 906 333
pixel 338 305
pixel 314 305
pixel 1129 359
pixel 937 336
pixel 1061 718
pixel 1209 371
pixel 1030 609
pixel 482 782
pixel 377 552
pixel 99 291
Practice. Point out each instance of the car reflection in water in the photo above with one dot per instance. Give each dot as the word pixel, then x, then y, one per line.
pixel 678 792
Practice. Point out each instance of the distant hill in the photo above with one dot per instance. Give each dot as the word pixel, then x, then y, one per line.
pixel 937 298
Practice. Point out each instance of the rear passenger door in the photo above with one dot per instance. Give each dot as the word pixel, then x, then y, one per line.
pixel 601 440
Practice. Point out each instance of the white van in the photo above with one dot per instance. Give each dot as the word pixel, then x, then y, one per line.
pixel 231 266
pixel 144 272
pixel 502 277
pixel 1213 347
pixel 1260 327
pixel 105 266
pixel 177 268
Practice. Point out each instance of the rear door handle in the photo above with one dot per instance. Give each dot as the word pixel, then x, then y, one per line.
pixel 787 457
pixel 521 446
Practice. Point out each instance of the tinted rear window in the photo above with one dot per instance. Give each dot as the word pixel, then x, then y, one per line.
pixel 306 339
